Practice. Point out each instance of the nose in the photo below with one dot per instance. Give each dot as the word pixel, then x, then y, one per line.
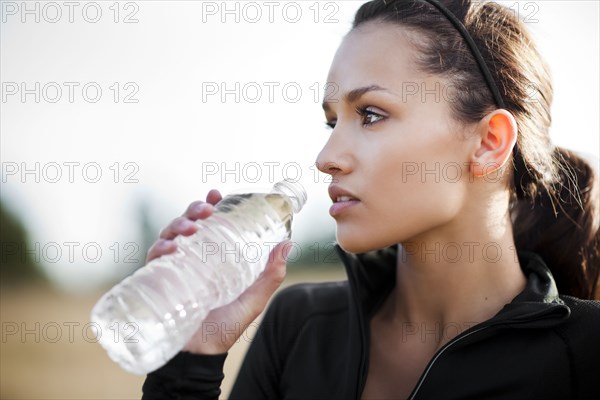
pixel 335 157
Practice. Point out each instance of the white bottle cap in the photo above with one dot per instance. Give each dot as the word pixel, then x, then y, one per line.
pixel 294 190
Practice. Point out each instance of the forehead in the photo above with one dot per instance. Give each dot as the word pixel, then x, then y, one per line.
pixel 375 53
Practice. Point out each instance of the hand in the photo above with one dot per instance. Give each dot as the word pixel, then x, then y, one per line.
pixel 226 323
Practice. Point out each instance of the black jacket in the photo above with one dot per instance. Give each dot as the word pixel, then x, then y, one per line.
pixel 313 344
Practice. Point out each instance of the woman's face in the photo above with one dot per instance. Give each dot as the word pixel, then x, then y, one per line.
pixel 394 146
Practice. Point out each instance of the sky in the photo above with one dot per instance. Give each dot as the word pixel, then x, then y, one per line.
pixel 107 106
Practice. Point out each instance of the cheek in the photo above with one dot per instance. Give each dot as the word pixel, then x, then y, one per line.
pixel 408 191
pixel 397 213
pixel 412 208
pixel 423 185
pixel 411 184
pixel 425 166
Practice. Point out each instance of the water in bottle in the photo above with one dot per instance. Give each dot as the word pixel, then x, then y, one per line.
pixel 150 315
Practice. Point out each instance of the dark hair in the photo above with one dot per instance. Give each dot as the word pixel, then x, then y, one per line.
pixel 554 193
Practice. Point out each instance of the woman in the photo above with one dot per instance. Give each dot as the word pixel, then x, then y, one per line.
pixel 469 239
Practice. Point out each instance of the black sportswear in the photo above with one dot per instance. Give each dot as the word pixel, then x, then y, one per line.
pixel 313 344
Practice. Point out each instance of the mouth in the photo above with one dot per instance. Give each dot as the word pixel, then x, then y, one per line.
pixel 342 200
pixel 338 194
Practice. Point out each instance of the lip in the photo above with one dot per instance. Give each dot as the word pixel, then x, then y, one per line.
pixel 340 206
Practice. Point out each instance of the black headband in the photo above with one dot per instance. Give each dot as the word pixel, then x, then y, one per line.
pixel 476 53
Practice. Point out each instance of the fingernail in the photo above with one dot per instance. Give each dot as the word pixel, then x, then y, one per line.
pixel 200 207
pixel 184 224
pixel 163 245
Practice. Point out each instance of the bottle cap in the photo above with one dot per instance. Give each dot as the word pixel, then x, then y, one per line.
pixel 294 190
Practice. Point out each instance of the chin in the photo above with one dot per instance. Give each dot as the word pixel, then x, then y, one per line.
pixel 355 244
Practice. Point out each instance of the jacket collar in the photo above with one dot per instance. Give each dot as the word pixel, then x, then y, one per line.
pixel 372 276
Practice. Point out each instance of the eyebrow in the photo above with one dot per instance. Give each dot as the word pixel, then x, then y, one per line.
pixel 356 94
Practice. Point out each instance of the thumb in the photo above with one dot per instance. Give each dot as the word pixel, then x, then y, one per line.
pixel 259 293
pixel 275 268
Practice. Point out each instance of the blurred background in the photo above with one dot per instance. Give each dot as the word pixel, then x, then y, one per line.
pixel 116 115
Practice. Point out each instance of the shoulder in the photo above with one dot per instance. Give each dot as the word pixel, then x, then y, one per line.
pixel 581 335
pixel 582 328
pixel 304 310
pixel 309 299
pixel 585 314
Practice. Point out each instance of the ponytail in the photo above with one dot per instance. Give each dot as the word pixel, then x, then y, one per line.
pixel 560 221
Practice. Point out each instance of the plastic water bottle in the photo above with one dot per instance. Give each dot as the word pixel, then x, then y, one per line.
pixel 148 317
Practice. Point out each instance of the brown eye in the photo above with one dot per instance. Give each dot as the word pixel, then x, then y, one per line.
pixel 369 117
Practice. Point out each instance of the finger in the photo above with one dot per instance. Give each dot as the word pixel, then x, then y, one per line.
pixel 213 197
pixel 159 248
pixel 198 210
pixel 179 226
pixel 255 298
pixel 245 309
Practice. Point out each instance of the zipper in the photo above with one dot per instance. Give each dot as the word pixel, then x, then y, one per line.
pixel 437 355
pixel 362 375
pixel 458 339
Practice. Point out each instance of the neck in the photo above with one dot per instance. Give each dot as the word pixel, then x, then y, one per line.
pixel 448 280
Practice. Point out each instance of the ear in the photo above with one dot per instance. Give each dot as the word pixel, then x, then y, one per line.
pixel 497 137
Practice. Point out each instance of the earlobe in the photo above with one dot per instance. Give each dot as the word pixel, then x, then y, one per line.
pixel 498 137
